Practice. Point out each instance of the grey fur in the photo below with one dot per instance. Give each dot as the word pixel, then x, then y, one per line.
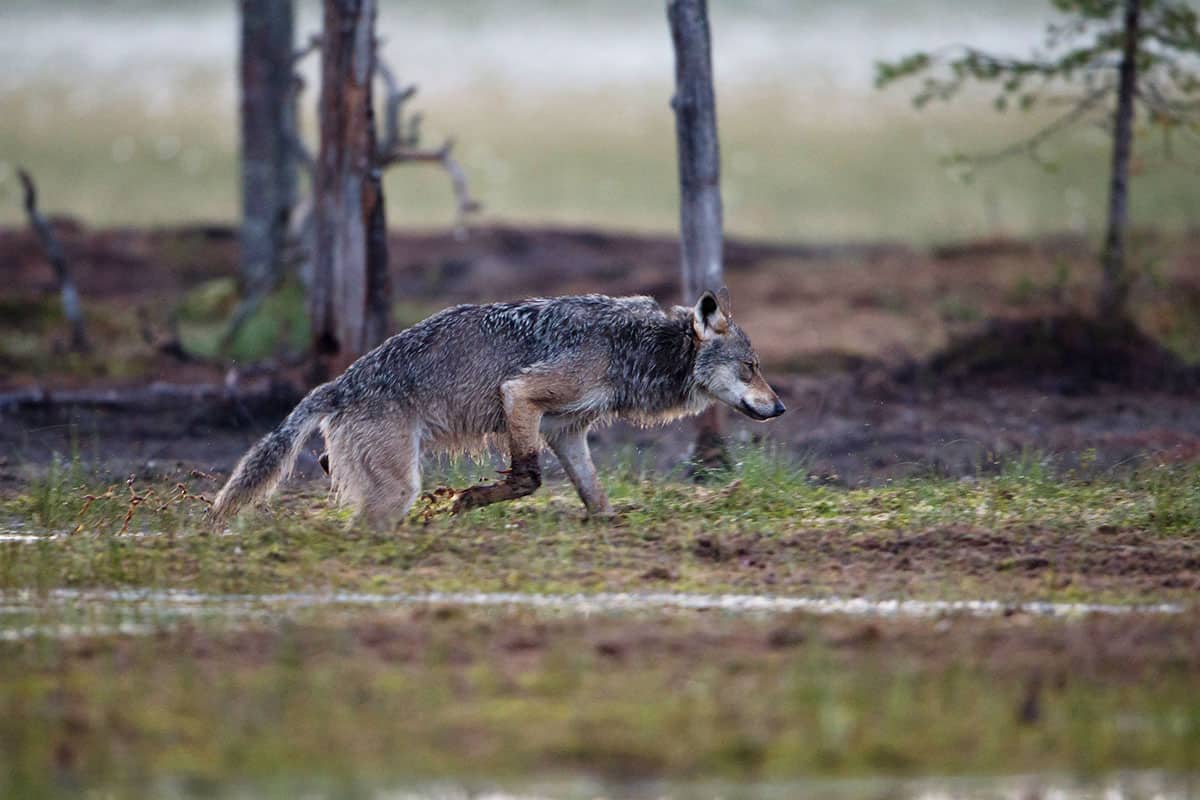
pixel 469 375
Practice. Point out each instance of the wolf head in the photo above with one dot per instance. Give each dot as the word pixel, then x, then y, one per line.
pixel 726 367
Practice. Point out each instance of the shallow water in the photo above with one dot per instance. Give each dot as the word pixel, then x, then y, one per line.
pixel 607 602
pixel 1123 786
pixel 71 613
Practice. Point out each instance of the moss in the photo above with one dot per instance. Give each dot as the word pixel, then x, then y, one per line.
pixel 280 322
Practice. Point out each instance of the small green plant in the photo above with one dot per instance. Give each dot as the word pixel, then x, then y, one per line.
pixel 766 507
pixel 956 309
pixel 280 321
pixel 51 495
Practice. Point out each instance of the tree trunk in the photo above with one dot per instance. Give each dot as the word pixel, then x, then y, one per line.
pixel 268 118
pixel 1115 292
pixel 699 183
pixel 350 295
pixel 699 153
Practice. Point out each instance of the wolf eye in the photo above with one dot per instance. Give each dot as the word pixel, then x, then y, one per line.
pixel 747 371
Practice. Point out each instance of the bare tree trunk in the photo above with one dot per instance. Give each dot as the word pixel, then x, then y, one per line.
pixel 699 182
pixel 350 296
pixel 379 282
pixel 1115 292
pixel 268 118
pixel 72 306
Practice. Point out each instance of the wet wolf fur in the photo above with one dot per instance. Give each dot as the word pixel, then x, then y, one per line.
pixel 524 374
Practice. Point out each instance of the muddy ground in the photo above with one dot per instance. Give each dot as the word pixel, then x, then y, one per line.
pixel 859 339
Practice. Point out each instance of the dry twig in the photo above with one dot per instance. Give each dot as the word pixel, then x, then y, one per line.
pixel 178 496
pixel 400 144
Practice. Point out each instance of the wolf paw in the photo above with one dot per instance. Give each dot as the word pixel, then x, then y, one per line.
pixel 464 500
pixel 479 495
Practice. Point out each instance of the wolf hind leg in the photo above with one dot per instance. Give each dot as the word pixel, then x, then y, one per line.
pixel 375 467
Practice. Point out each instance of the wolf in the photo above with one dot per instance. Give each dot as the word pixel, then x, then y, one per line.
pixel 522 375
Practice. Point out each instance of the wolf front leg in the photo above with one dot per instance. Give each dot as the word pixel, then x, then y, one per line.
pixel 572 450
pixel 524 399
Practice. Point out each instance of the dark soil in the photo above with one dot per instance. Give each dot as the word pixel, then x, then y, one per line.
pixel 891 564
pixel 839 329
pixel 999 562
pixel 845 429
pixel 1068 353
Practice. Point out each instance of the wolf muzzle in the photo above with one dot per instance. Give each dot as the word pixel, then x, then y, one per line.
pixel 753 413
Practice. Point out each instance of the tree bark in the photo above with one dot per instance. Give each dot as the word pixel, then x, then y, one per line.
pixel 699 153
pixel 268 122
pixel 701 234
pixel 1115 292
pixel 350 294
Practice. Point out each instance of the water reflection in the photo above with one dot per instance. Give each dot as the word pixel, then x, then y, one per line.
pixel 1122 786
pixel 70 613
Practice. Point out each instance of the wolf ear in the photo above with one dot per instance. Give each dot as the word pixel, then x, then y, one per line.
pixel 708 319
pixel 725 302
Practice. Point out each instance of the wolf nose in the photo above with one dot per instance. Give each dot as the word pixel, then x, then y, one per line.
pixel 779 408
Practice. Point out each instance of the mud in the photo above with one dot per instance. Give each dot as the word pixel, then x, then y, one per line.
pixel 846 429
pixel 1025 562
pixel 843 331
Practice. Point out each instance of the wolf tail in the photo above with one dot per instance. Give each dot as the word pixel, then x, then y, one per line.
pixel 271 460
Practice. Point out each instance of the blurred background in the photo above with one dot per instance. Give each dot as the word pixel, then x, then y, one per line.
pixel 125 111
pixel 863 258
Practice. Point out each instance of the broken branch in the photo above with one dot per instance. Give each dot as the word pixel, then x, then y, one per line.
pixel 443 155
pixel 397 96
pixel 72 305
pixel 400 144
pixel 311 46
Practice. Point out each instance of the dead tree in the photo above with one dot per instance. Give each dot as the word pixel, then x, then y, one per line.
pixel 350 296
pixel 701 236
pixel 72 306
pixel 399 142
pixel 268 115
pixel 335 239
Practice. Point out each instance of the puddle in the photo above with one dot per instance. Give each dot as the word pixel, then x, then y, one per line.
pixel 76 631
pixel 615 602
pixel 32 538
pixel 71 613
pixel 1123 786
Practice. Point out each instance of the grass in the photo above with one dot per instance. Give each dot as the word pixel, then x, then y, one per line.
pixel 767 527
pixel 866 166
pixel 457 695
pixel 354 700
